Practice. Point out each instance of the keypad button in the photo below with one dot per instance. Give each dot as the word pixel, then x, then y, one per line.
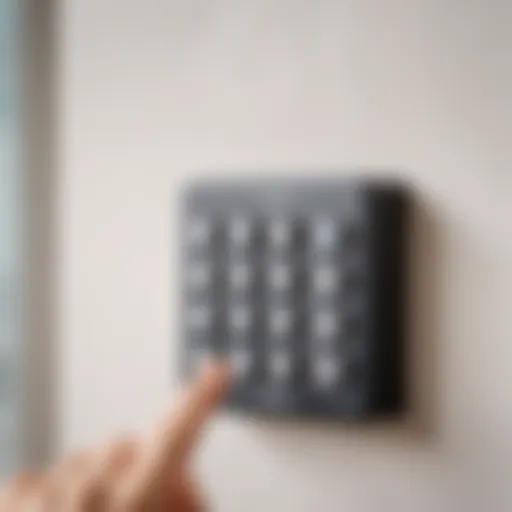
pixel 325 325
pixel 199 276
pixel 280 233
pixel 325 279
pixel 280 278
pixel 240 277
pixel 200 231
pixel 280 365
pixel 326 371
pixel 240 320
pixel 240 230
pixel 281 323
pixel 241 362
pixel 325 234
pixel 200 318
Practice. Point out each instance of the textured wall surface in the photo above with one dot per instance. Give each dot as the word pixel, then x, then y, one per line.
pixel 154 91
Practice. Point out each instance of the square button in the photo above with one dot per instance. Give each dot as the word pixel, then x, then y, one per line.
pixel 240 277
pixel 280 365
pixel 200 276
pixel 280 323
pixel 326 371
pixel 280 277
pixel 241 361
pixel 325 234
pixel 240 320
pixel 200 319
pixel 200 231
pixel 325 325
pixel 326 279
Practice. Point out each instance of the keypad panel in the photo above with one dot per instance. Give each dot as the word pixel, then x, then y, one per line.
pixel 290 282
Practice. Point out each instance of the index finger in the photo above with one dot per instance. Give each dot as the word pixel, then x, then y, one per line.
pixel 177 434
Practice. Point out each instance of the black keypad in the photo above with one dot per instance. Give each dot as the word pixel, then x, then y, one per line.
pixel 300 287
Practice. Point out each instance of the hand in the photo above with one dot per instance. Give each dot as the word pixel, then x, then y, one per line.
pixel 129 475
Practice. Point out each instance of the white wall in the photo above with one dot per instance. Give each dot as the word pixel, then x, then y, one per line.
pixel 153 90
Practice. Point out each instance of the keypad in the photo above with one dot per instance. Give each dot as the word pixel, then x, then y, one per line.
pixel 291 283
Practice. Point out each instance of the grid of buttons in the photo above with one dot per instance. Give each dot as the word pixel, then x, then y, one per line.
pixel 294 279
